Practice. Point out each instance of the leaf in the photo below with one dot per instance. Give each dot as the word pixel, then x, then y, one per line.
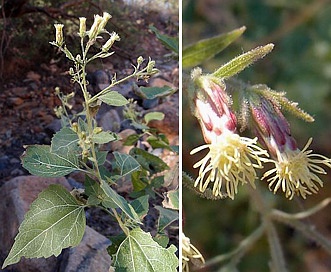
pixel 149 161
pixel 160 142
pixel 171 200
pixel 113 98
pixel 140 205
pixel 54 221
pixel 104 137
pixel 154 92
pixel 139 252
pixel 131 139
pixel 126 163
pixel 241 62
pixel 153 116
pixel 101 157
pixel 65 142
pixel 166 217
pixel 119 201
pixel 93 191
pixel 171 42
pixel 195 54
pixel 39 161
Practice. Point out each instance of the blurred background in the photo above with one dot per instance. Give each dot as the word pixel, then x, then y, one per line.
pixel 300 65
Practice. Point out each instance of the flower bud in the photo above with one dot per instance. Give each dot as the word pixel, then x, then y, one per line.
pixel 59 40
pixel 82 27
pixel 271 126
pixel 94 31
pixel 140 60
pixel 105 18
pixel 212 107
pixel 150 66
pixel 113 37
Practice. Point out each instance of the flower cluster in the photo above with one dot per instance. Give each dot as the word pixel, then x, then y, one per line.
pixel 233 159
pixel 190 253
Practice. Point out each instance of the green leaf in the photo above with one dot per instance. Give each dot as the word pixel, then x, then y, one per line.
pixel 166 217
pixel 195 54
pixel 153 116
pixel 54 221
pixel 126 163
pixel 104 137
pixel 154 92
pixel 149 161
pixel 139 252
pixel 241 62
pixel 101 157
pixel 39 161
pixel 162 239
pixel 113 98
pixel 132 139
pixel 158 142
pixel 93 191
pixel 120 201
pixel 171 42
pixel 139 180
pixel 171 200
pixel 140 205
pixel 65 142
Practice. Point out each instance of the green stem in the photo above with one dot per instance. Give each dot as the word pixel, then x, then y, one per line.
pixel 276 252
pixel 243 247
pixel 123 227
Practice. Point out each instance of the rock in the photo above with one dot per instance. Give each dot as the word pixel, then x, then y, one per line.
pixel 110 121
pixel 16 196
pixel 118 145
pixel 170 124
pixel 90 255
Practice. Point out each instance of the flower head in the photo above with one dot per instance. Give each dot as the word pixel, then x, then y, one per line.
pixel 190 253
pixel 296 172
pixel 228 163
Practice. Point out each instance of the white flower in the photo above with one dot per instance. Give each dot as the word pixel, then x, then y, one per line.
pixel 296 172
pixel 228 163
pixel 190 253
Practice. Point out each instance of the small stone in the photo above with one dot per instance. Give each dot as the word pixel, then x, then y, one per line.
pixel 110 121
pixel 15 101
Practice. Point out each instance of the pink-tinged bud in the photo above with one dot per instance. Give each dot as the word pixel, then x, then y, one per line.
pixel 271 126
pixel 212 108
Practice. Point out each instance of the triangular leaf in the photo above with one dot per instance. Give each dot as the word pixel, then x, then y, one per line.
pixel 65 142
pixel 104 137
pixel 154 92
pixel 166 217
pixel 139 252
pixel 203 50
pixel 149 161
pixel 126 163
pixel 140 205
pixel 155 115
pixel 39 161
pixel 171 200
pixel 113 98
pixel 55 221
pixel 120 201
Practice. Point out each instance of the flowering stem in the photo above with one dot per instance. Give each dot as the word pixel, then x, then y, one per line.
pixel 308 230
pixel 243 247
pixel 277 256
pixel 286 216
